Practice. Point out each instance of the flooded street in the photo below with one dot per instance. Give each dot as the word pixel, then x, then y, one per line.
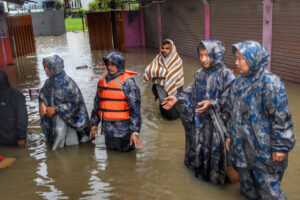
pixel 88 171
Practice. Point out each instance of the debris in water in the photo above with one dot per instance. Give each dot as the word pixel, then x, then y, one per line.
pixel 82 67
pixel 6 162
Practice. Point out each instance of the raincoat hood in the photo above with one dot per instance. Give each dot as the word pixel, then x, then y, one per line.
pixel 118 60
pixel 55 64
pixel 215 51
pixel 255 54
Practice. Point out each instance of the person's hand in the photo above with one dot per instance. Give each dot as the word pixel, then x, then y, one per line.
pixel 136 140
pixel 21 143
pixel 93 131
pixel 43 109
pixel 278 156
pixel 50 111
pixel 227 143
pixel 169 102
pixel 205 104
pixel 232 174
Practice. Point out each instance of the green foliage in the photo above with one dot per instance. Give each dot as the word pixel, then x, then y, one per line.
pixel 74 24
pixel 93 6
pixel 81 10
pixel 99 5
pixel 78 11
pixel 103 5
pixel 134 6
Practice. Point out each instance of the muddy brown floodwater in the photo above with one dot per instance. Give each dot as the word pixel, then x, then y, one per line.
pixel 88 171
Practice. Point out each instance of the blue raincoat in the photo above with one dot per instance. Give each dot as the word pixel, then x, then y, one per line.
pixel 117 133
pixel 62 92
pixel 261 124
pixel 204 151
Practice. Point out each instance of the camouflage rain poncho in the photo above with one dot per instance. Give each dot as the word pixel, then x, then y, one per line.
pixel 62 92
pixel 204 151
pixel 261 124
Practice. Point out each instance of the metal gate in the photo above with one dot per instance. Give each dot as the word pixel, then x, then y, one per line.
pixel 100 33
pixel 151 26
pixel 183 22
pixel 286 40
pixel 117 18
pixel 106 30
pixel 234 21
pixel 21 34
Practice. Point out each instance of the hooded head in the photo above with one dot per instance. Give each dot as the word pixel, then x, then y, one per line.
pixel 4 84
pixel 55 64
pixel 254 53
pixel 215 50
pixel 118 60
pixel 171 51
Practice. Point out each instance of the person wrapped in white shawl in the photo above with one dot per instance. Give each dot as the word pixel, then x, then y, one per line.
pixel 166 74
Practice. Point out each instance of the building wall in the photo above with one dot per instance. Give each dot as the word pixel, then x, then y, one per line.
pixel 32 6
pixel 48 23
pixel 85 3
pixel 133 29
pixel 6 57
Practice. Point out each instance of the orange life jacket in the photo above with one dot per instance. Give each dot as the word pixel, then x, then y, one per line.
pixel 113 103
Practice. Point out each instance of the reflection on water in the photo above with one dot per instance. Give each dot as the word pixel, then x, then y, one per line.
pixel 89 171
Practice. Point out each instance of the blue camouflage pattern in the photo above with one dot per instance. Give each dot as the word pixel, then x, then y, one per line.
pixel 262 182
pixel 261 120
pixel 204 149
pixel 63 93
pixel 260 124
pixel 117 133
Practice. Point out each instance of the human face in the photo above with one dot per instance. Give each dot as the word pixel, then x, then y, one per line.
pixel 48 73
pixel 165 50
pixel 241 63
pixel 112 68
pixel 204 58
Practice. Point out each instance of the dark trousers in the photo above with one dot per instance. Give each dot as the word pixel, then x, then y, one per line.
pixel 119 144
pixel 160 93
